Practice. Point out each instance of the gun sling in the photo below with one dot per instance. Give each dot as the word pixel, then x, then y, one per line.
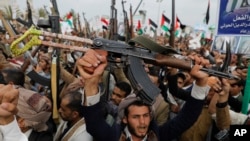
pixel 151 45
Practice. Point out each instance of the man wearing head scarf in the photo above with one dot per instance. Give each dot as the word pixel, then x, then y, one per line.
pixel 34 110
pixel 137 120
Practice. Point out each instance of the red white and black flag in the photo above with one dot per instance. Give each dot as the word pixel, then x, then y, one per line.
pixel 105 23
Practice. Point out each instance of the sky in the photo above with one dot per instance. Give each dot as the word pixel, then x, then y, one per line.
pixel 190 12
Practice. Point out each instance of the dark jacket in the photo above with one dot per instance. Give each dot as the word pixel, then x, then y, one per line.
pixel 101 131
pixel 41 136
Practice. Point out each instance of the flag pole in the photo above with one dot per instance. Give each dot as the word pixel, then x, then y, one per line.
pixel 172 36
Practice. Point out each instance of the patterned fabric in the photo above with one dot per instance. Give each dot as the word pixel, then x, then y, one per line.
pixel 34 108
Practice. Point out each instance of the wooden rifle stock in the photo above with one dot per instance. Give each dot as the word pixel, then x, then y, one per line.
pixel 7 26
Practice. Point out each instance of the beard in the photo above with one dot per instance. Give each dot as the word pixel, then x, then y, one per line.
pixel 132 131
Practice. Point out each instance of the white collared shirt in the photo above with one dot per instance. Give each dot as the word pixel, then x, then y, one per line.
pixel 12 132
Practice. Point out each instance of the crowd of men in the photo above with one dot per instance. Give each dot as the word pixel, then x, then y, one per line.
pixel 98 102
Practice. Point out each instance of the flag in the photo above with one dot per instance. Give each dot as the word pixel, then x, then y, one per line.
pixel 177 23
pixel 182 26
pixel 206 20
pixel 69 19
pixel 66 24
pixel 105 23
pixel 153 25
pixel 164 23
pixel 138 28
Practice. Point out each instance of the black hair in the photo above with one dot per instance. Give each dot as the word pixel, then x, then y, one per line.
pixel 15 76
pixel 181 75
pixel 43 49
pixel 124 86
pixel 240 82
pixel 75 102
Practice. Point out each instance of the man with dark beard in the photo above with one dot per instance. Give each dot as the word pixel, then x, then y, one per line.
pixel 137 123
pixel 72 127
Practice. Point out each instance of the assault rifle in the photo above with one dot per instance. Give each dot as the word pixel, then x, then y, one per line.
pixel 113 35
pixel 55 65
pixel 87 30
pixel 126 23
pixel 79 26
pixel 29 23
pixel 131 23
pixel 158 55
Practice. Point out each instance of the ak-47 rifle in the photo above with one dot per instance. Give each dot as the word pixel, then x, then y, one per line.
pixel 28 24
pixel 79 26
pixel 137 75
pixel 126 23
pixel 13 33
pixel 87 30
pixel 29 16
pixel 113 35
pixel 131 23
pixel 45 9
pixel 7 26
pixel 55 65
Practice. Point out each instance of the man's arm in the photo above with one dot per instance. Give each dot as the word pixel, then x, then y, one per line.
pixel 91 67
pixel 193 106
pixel 8 125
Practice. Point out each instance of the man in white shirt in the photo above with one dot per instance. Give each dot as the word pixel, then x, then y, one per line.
pixel 9 130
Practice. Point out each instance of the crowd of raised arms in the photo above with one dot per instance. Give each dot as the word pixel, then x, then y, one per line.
pixel 96 100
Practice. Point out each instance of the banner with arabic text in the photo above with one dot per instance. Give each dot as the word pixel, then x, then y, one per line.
pixel 234 17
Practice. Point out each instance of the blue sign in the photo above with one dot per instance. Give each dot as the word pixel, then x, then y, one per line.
pixel 234 17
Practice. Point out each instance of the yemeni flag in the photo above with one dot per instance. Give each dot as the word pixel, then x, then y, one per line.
pixel 153 25
pixel 105 23
pixel 69 19
pixel 138 28
pixel 165 21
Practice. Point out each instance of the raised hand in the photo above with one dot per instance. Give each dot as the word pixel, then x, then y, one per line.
pixel 91 67
pixel 8 103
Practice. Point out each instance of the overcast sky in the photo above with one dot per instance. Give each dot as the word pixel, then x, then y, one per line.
pixel 190 12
